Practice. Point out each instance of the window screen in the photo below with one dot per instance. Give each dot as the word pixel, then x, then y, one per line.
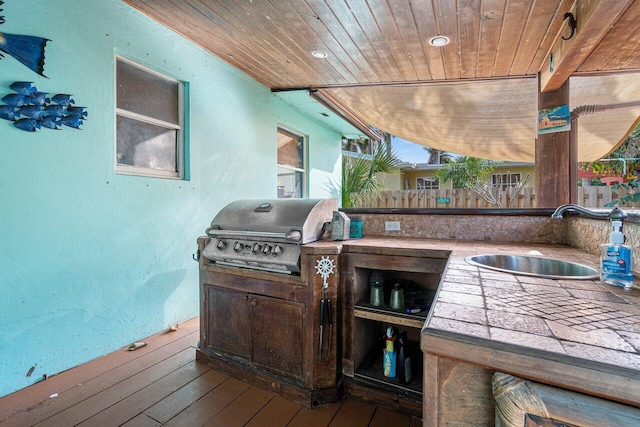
pixel 149 135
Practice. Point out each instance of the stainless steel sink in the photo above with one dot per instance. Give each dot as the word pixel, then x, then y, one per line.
pixel 534 266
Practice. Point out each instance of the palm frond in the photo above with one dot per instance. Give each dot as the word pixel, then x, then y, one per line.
pixel 360 179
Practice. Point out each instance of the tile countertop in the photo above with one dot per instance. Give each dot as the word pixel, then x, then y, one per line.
pixel 552 327
pixel 581 318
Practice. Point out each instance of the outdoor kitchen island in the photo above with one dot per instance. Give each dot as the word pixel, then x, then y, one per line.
pixel 580 336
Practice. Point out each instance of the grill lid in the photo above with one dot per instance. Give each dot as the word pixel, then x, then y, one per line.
pixel 296 221
pixel 267 234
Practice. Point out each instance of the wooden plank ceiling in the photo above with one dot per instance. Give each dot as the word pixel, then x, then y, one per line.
pixel 382 74
pixel 372 42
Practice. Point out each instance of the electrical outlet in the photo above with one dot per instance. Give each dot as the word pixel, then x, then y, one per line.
pixel 392 226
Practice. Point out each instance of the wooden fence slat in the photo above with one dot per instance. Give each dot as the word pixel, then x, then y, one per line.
pixel 590 197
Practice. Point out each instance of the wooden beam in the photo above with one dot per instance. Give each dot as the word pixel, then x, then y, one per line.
pixel 594 20
pixel 553 157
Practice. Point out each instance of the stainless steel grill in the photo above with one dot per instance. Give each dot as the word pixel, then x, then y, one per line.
pixel 267 234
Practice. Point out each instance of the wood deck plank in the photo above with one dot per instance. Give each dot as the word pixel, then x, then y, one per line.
pixel 123 389
pixel 126 409
pixel 142 420
pixel 175 403
pixel 353 413
pixel 161 384
pixel 60 383
pixel 130 365
pixel 210 405
pixel 278 413
pixel 384 417
pixel 241 410
pixel 316 417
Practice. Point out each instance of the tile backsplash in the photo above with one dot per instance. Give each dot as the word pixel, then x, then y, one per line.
pixel 498 228
pixel 582 233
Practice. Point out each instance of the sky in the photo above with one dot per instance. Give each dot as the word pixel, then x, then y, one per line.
pixel 408 151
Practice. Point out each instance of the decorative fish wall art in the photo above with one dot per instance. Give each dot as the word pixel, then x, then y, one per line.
pixel 29 50
pixel 30 110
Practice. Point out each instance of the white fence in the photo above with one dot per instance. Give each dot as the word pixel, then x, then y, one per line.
pixel 592 197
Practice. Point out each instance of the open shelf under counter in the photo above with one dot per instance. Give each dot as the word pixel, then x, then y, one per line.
pixel 364 310
pixel 374 372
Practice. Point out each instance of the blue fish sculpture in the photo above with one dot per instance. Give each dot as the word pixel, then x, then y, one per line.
pixel 29 50
pixel 32 111
pixel 15 100
pixel 23 88
pixel 50 122
pixel 72 122
pixel 39 98
pixel 54 110
pixel 78 112
pixel 62 99
pixel 30 125
pixel 8 112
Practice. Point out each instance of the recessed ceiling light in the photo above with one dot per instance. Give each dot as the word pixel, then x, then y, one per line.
pixel 439 41
pixel 319 54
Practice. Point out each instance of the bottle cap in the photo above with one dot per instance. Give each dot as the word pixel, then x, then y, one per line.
pixel 616 235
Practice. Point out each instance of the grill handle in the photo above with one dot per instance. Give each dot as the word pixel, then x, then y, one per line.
pixel 291 235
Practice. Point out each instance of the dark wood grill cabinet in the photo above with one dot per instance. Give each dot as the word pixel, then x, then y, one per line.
pixel 259 316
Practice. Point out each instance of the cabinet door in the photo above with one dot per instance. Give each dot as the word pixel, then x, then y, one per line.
pixel 228 321
pixel 278 339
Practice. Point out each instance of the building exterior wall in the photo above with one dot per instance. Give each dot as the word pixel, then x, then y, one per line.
pixel 411 175
pixel 93 260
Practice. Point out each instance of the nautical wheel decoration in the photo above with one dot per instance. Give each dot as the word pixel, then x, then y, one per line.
pixel 324 268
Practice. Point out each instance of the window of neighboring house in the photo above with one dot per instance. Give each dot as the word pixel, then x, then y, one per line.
pixel 428 183
pixel 149 122
pixel 291 164
pixel 505 180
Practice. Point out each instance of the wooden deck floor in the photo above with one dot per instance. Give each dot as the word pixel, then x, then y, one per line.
pixel 161 384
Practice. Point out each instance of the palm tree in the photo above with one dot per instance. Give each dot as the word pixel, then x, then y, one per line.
pixel 356 145
pixel 472 173
pixel 437 157
pixel 360 179
pixel 465 171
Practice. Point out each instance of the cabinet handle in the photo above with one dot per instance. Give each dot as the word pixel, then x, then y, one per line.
pixel 254 302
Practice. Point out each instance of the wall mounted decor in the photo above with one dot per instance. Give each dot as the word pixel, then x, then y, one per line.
pixel 29 50
pixel 556 119
pixel 30 110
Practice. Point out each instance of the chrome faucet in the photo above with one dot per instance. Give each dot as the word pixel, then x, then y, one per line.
pixel 616 213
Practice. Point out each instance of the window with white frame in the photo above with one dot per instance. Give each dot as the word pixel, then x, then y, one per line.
pixel 505 180
pixel 149 122
pixel 291 164
pixel 428 183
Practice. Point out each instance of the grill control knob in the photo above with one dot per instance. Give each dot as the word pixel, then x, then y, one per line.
pixel 238 247
pixel 277 250
pixel 266 250
pixel 256 248
pixel 222 245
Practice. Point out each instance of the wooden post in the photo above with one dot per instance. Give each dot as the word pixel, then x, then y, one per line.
pixel 553 159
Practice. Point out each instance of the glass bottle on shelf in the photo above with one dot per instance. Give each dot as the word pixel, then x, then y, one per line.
pixel 397 298
pixel 376 293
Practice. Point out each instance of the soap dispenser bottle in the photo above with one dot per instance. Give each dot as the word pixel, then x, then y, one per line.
pixel 616 260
